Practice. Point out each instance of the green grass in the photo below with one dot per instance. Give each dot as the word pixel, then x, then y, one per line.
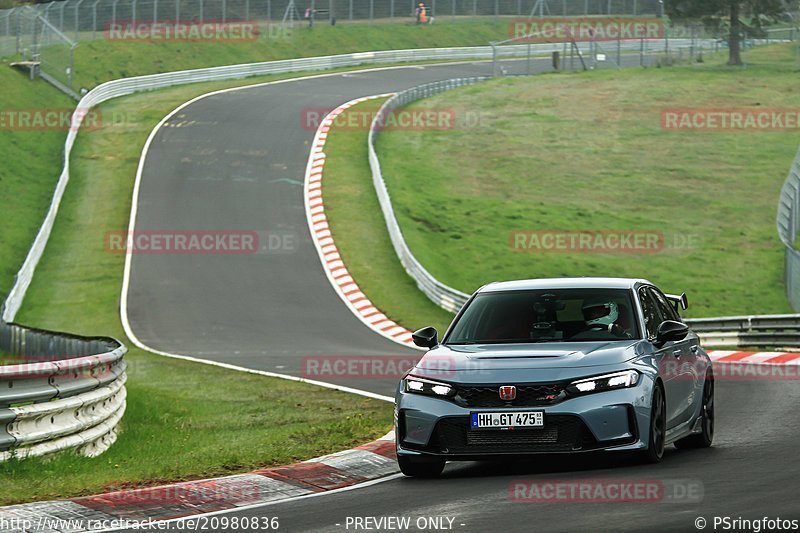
pixel 31 162
pixel 189 420
pixel 359 229
pixel 102 60
pixel 32 159
pixel 177 415
pixel 587 151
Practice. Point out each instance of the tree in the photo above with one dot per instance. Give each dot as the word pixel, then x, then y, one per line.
pixel 740 17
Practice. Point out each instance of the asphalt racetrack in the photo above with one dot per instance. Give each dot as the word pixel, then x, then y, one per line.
pixel 236 161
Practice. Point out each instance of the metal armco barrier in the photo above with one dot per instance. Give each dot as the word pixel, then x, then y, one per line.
pixel 126 86
pixel 446 297
pixel 788 225
pixel 763 330
pixel 69 393
pixel 768 330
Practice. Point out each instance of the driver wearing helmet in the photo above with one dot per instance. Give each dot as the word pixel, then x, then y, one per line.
pixel 603 315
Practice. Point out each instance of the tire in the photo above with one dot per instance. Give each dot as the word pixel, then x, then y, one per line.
pixel 420 467
pixel 658 428
pixel 704 439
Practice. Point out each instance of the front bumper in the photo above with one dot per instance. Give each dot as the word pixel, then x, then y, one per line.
pixel 615 420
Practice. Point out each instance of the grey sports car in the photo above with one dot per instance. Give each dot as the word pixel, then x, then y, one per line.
pixel 556 366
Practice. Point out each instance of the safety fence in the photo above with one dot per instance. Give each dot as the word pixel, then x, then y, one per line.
pixel 89 19
pixel 38 41
pixel 67 392
pixel 688 41
pixel 47 33
pixel 788 225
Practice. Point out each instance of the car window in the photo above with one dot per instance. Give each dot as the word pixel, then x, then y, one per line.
pixel 652 318
pixel 667 311
pixel 548 315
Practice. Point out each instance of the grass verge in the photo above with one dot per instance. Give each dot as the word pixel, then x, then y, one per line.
pixel 101 60
pixel 188 420
pixel 578 152
pixel 31 161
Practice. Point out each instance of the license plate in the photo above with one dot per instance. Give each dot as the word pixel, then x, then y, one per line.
pixel 507 420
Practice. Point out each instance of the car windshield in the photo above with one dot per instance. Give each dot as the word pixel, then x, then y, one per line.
pixel 552 315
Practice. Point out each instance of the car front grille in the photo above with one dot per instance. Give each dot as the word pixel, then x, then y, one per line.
pixel 527 396
pixel 561 433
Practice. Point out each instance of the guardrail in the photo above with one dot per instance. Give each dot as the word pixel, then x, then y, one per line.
pixel 54 402
pixel 767 330
pixel 788 221
pixel 442 295
pixel 90 20
pixel 126 86
pixel 762 330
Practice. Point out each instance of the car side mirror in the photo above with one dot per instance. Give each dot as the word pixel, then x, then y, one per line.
pixel 426 337
pixel 670 330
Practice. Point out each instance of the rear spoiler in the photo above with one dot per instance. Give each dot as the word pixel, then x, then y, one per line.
pixel 681 300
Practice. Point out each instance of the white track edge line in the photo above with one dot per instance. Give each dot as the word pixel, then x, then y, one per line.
pixel 135 204
pixel 131 228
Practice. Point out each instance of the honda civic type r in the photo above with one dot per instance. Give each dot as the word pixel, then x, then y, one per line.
pixel 556 366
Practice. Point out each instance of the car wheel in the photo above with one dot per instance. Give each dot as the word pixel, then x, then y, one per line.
pixel 658 428
pixel 706 437
pixel 420 467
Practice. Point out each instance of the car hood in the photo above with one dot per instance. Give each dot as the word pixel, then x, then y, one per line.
pixel 550 360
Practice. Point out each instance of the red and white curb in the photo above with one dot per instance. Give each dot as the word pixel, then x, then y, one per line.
pixel 334 267
pixel 768 358
pixel 365 463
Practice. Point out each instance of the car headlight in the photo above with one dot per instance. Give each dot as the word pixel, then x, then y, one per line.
pixel 426 386
pixel 617 380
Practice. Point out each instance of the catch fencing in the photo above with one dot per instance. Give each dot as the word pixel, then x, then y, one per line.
pixel 67 392
pixel 48 32
pixel 88 19
pixel 38 41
